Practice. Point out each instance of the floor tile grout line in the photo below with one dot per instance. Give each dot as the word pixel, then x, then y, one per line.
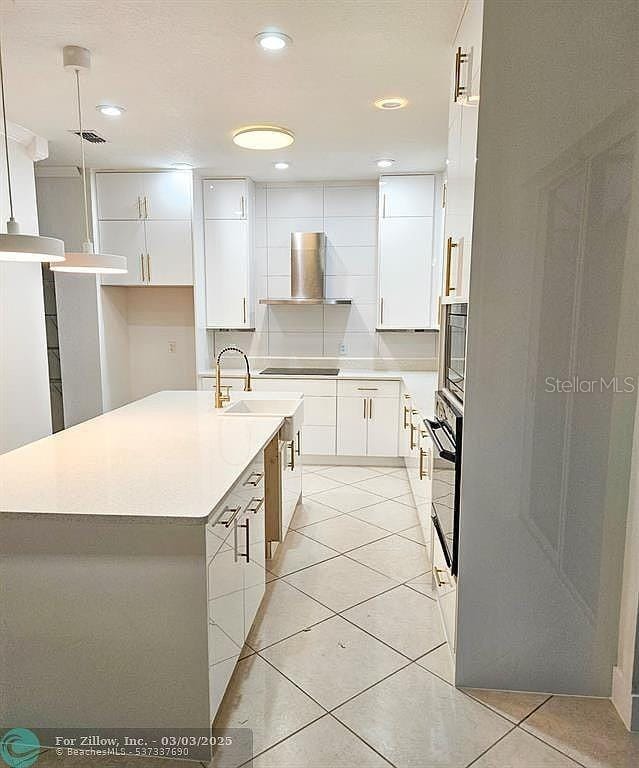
pixel 355 605
pixel 532 712
pixel 298 632
pixel 364 690
pixel 292 682
pixel 317 541
pixel 501 738
pixel 543 741
pixel 362 739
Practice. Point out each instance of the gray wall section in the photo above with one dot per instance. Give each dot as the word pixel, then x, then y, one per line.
pixel 553 296
pixel 60 215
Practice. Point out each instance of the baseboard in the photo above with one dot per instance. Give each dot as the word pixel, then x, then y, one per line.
pixel 626 703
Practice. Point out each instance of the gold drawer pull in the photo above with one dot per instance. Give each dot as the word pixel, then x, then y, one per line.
pixel 234 510
pixel 256 479
pixel 406 412
pixel 440 583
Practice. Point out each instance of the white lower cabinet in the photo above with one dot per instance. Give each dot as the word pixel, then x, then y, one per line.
pixel 367 426
pixel 236 575
pixel 383 418
pixel 446 589
pixel 352 426
pixel 291 467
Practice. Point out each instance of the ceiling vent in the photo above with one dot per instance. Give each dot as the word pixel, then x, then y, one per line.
pixel 91 136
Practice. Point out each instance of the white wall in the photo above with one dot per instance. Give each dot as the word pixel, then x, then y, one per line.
pixel 347 212
pixel 60 208
pixel 25 410
pixel 553 295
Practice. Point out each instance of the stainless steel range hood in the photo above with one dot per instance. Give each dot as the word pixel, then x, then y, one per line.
pixel 308 266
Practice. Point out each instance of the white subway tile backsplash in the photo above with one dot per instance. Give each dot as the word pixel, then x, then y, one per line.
pixel 254 344
pixel 359 317
pixel 351 230
pixel 294 202
pixel 260 202
pixel 260 233
pixel 261 310
pixel 291 319
pixel 279 261
pixel 359 287
pixel 350 201
pixel 279 230
pixel 295 344
pixel 279 287
pixel 261 261
pixel 350 345
pixel 418 345
pixel 351 260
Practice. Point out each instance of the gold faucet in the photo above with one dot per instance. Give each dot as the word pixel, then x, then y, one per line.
pixel 220 399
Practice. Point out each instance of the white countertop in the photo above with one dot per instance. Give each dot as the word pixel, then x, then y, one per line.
pixel 421 384
pixel 169 455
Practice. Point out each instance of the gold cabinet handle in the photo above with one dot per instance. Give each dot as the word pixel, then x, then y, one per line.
pixel 370 407
pixel 423 474
pixel 444 195
pixel 139 207
pixel 244 310
pixel 254 478
pixel 299 443
pixel 255 504
pixel 459 88
pixel 413 444
pixel 383 206
pixel 406 412
pixel 292 447
pixel 234 513
pixel 242 209
pixel 142 265
pixel 440 582
pixel 448 288
pixel 364 401
pixel 381 311
pixel 148 268
pixel 146 207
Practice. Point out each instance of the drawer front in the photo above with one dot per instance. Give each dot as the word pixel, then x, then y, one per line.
pixel 368 388
pixel 318 441
pixel 311 387
pixel 319 411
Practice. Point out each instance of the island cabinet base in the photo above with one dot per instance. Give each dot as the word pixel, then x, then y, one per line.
pixel 128 622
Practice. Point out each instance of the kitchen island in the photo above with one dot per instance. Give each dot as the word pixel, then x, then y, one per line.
pixel 132 557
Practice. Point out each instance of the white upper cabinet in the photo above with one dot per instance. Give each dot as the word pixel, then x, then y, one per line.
pixel 225 199
pixel 151 195
pixel 228 252
pixel 166 242
pixel 125 238
pixel 406 196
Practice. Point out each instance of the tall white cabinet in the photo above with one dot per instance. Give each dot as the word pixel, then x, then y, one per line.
pixel 228 206
pixel 146 217
pixel 407 261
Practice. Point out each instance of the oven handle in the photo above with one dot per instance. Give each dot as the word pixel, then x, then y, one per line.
pixel 444 453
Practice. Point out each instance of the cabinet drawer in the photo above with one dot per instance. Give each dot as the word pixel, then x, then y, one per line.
pixel 319 411
pixel 368 388
pixel 311 387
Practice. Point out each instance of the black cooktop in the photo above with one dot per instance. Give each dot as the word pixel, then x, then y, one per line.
pixel 299 372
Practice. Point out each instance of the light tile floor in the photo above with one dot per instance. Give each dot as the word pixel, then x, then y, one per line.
pixel 346 666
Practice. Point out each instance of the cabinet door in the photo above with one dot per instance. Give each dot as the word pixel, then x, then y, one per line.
pixel 406 196
pixel 225 199
pixel 167 195
pixel 383 426
pixel 226 617
pixel 168 246
pixel 406 252
pixel 352 422
pixel 125 238
pixel 290 462
pixel 120 195
pixel 227 269
pixel 252 540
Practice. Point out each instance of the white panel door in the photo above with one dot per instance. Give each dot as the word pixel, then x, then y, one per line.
pixel 225 199
pixel 120 195
pixel 383 426
pixel 227 270
pixel 406 196
pixel 405 262
pixel 125 238
pixel 351 426
pixel 170 256
pixel 168 195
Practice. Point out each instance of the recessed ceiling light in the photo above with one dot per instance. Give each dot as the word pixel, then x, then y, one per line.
pixel 273 41
pixel 110 110
pixel 182 166
pixel 391 102
pixel 385 163
pixel 281 166
pixel 263 137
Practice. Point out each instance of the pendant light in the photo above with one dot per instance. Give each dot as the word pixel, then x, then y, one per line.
pixel 13 245
pixel 86 261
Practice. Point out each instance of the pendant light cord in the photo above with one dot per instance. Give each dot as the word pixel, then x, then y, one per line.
pixel 6 136
pixel 84 174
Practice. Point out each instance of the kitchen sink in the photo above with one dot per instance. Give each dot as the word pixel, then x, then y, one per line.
pixel 248 404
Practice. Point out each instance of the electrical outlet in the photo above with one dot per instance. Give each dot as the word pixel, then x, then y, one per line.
pixel 172 346
pixel 342 348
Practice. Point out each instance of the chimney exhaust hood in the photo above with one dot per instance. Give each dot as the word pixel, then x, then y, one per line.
pixel 308 265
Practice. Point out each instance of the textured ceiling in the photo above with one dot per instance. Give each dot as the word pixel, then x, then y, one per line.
pixel 189 72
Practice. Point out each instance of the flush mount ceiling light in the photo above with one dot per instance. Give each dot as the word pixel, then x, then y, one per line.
pixel 86 261
pixel 272 41
pixel 13 245
pixel 263 137
pixel 391 102
pixel 182 166
pixel 110 110
pixel 385 163
pixel 281 166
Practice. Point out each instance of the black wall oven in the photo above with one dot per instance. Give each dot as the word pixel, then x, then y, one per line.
pixel 454 352
pixel 446 433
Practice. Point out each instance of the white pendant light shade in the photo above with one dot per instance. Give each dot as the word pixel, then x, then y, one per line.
pixel 87 262
pixel 13 245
